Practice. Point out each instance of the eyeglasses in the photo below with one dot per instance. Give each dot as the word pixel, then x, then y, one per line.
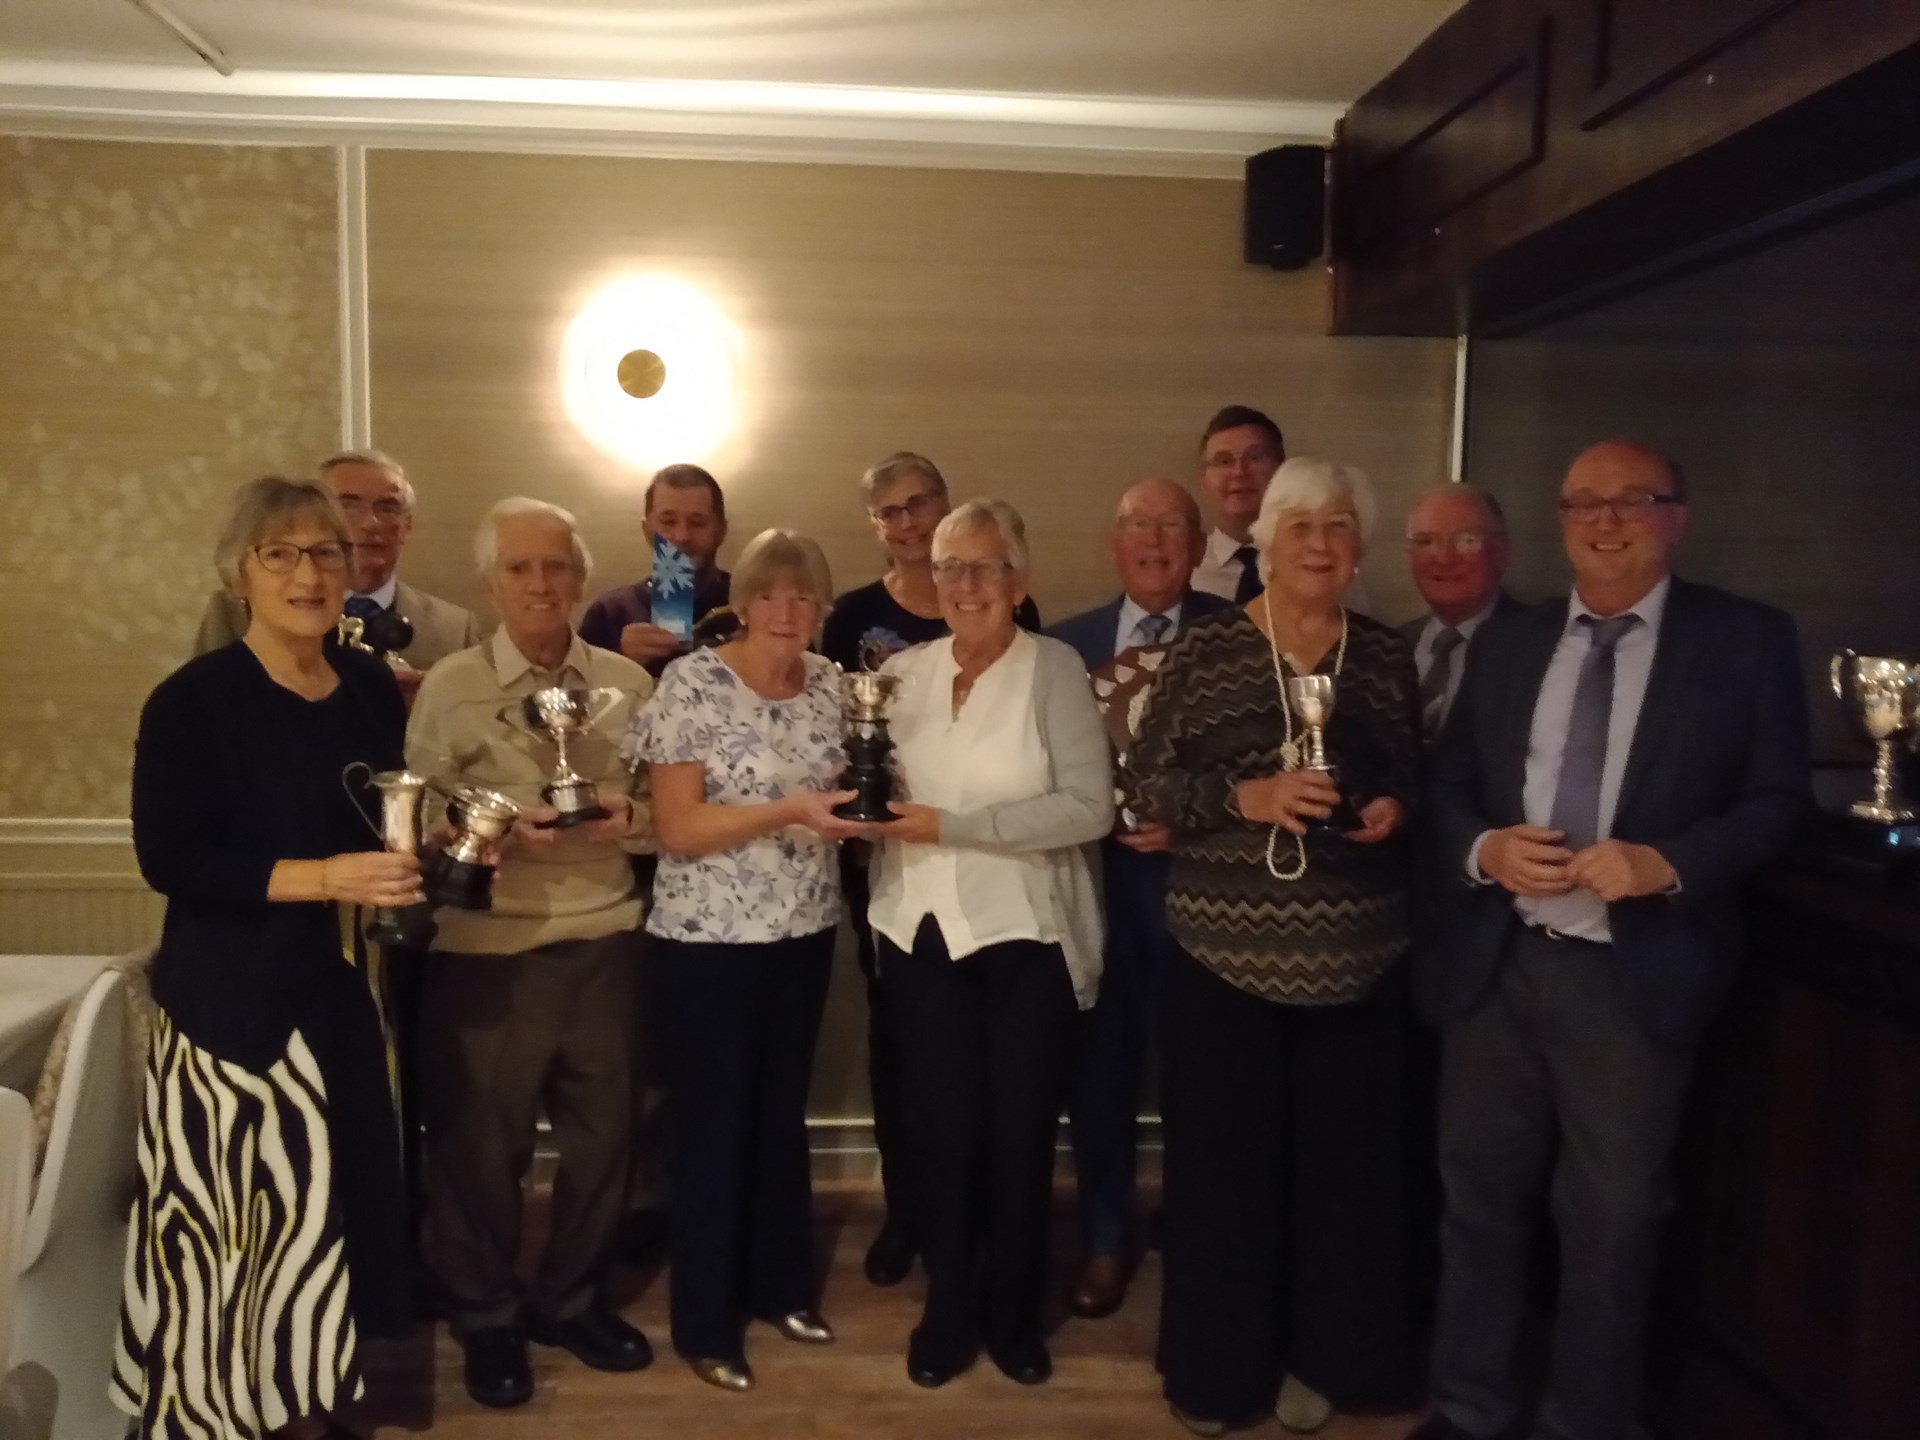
pixel 981 572
pixel 1460 542
pixel 388 509
pixel 1174 525
pixel 282 557
pixel 1226 459
pixel 917 507
pixel 1633 505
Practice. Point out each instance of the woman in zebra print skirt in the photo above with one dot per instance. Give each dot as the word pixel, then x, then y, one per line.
pixel 269 1237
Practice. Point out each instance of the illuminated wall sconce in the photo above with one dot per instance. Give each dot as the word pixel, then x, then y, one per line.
pixel 646 371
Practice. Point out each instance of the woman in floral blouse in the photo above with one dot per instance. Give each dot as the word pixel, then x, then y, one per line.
pixel 743 743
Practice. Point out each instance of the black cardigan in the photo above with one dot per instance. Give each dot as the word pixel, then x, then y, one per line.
pixel 232 773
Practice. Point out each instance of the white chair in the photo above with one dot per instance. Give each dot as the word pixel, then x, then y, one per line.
pixel 66 1305
pixel 16 1188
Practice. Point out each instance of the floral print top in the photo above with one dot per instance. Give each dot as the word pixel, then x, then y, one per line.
pixel 754 750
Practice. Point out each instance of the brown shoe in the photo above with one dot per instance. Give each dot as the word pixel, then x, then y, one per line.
pixel 1100 1286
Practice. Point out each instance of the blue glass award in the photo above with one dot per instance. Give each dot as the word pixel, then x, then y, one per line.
pixel 670 588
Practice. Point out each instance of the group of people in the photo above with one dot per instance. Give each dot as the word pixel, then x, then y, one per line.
pixel 1527 825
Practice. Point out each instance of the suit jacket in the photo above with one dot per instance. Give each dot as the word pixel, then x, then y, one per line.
pixel 439 626
pixel 1717 777
pixel 1414 628
pixel 1092 632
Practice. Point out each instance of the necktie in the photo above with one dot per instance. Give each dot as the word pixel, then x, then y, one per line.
pixel 1151 629
pixel 1249 585
pixel 363 607
pixel 1433 685
pixel 1576 796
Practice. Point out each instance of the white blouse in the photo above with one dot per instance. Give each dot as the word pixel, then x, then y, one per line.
pixel 989 754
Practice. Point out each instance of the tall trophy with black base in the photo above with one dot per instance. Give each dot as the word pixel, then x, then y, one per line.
pixel 1882 698
pixel 460 873
pixel 562 716
pixel 869 773
pixel 402 809
pixel 1310 697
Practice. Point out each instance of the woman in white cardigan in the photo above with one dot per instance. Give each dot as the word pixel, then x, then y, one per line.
pixel 988 930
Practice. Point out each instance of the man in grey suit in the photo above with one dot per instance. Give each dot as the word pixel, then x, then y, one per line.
pixel 1157 539
pixel 1458 550
pixel 1613 769
pixel 379 501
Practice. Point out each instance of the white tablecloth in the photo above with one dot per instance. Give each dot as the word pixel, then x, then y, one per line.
pixel 35 991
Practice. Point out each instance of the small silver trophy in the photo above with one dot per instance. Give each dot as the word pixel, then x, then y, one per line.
pixel 461 873
pixel 1310 697
pixel 866 695
pixel 402 810
pixel 1882 697
pixel 563 715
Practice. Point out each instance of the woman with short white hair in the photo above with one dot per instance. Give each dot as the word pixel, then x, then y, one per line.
pixel 743 744
pixel 1284 1033
pixel 989 934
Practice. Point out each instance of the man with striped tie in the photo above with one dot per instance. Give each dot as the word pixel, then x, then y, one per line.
pixel 1614 769
pixel 1457 547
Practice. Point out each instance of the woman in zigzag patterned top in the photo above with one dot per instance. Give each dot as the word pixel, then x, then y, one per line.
pixel 1289 1228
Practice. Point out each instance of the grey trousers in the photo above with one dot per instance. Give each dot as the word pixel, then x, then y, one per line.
pixel 1552 1094
pixel 501 1037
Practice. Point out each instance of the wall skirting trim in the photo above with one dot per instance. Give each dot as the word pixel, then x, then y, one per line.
pixel 64 830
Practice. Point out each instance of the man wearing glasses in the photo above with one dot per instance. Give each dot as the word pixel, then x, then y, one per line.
pixel 1457 548
pixel 1615 767
pixel 1239 451
pixel 378 500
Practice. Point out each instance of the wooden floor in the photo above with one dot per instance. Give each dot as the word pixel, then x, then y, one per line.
pixel 1103 1385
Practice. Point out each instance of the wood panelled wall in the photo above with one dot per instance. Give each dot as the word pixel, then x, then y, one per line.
pixel 1045 338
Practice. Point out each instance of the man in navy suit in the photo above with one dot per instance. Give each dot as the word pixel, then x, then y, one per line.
pixel 1612 769
pixel 1157 539
pixel 1458 550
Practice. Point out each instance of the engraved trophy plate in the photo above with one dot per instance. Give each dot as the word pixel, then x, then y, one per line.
pixel 1881 695
pixel 865 694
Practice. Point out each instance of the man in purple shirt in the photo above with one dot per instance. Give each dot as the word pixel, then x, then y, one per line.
pixel 686 506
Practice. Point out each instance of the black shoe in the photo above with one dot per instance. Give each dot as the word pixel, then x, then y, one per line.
pixel 890 1256
pixel 497 1371
pixel 641 1238
pixel 1025 1362
pixel 597 1338
pixel 932 1363
pixel 1439 1427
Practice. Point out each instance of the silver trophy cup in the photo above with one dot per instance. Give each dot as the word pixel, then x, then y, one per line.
pixel 1882 697
pixel 1311 699
pixel 866 694
pixel 402 811
pixel 563 715
pixel 461 873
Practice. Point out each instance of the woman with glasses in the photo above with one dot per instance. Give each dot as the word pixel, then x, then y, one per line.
pixel 269 1234
pixel 1284 1030
pixel 989 934
pixel 905 497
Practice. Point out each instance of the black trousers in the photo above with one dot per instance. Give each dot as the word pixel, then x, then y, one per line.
pixel 1552 1095
pixel 985 1042
pixel 743 1022
pixel 885 1086
pixel 502 1036
pixel 1289 1238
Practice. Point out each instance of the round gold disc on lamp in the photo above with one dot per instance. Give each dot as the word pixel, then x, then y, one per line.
pixel 641 373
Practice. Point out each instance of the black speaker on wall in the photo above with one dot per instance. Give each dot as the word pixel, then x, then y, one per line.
pixel 1286 206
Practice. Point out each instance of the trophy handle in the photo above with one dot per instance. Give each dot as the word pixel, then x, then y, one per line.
pixel 358 772
pixel 604 698
pixel 1836 673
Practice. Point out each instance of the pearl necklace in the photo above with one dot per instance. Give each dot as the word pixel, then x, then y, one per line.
pixel 1289 752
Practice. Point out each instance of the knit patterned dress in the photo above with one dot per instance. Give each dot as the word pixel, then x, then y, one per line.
pixel 1215 717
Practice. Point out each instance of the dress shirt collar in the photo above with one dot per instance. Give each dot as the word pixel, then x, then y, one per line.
pixel 509 664
pixel 1466 627
pixel 1132 614
pixel 1650 608
pixel 384 596
pixel 1221 547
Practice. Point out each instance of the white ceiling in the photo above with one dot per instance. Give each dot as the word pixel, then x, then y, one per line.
pixel 1167 85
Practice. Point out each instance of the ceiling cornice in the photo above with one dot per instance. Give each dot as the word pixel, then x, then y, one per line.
pixel 712 119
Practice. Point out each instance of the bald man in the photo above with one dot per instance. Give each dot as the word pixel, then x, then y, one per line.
pixel 1156 540
pixel 1613 768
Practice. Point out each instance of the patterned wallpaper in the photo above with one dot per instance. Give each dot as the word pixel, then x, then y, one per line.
pixel 168 329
